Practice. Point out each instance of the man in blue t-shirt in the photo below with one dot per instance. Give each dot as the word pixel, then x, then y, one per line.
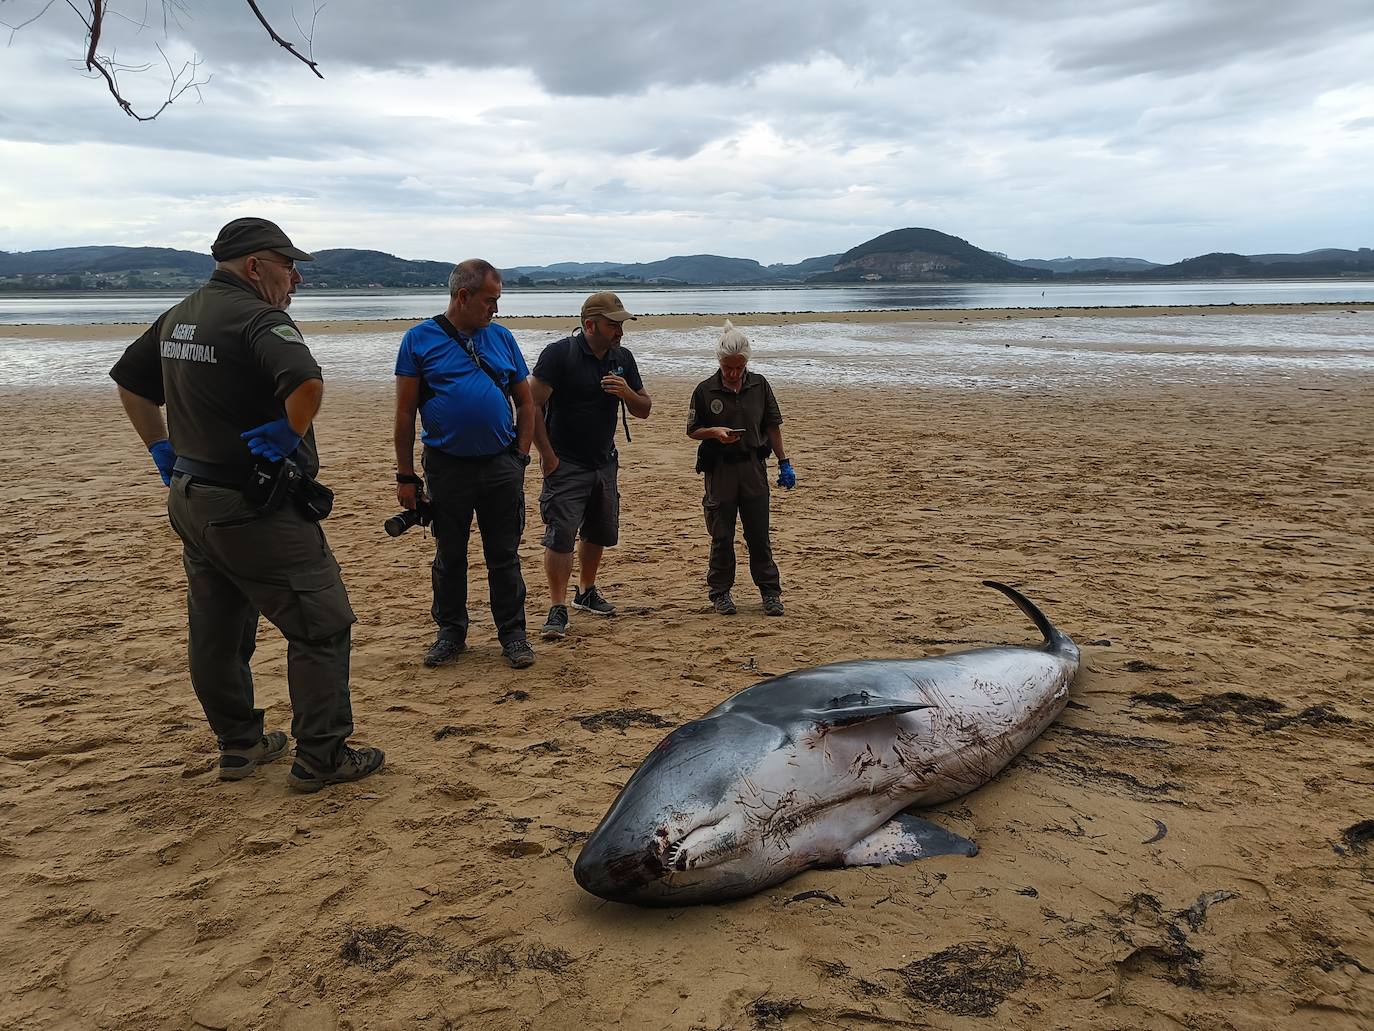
pixel 583 384
pixel 462 374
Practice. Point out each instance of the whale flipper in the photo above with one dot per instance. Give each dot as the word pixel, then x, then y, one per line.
pixel 905 838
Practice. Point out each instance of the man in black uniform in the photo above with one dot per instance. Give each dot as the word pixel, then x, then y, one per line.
pixel 237 380
pixel 587 381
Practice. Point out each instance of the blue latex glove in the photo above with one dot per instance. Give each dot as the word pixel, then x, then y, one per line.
pixel 787 477
pixel 272 440
pixel 164 458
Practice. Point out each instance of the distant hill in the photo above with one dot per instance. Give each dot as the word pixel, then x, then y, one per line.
pixel 696 269
pixel 77 260
pixel 900 256
pixel 560 270
pixel 1225 265
pixel 922 256
pixel 345 267
pixel 1086 264
pixel 1326 254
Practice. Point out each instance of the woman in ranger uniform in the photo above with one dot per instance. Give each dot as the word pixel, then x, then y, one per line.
pixel 735 416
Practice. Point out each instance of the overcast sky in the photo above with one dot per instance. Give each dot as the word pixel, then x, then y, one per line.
pixel 574 130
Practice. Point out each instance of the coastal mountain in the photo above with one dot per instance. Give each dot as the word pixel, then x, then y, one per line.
pixel 912 255
pixel 1086 264
pixel 922 256
pixel 346 267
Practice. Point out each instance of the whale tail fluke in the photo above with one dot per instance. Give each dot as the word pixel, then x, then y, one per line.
pixel 1056 641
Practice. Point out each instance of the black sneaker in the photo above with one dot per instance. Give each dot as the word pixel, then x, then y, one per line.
pixel 556 626
pixel 519 654
pixel 354 764
pixel 237 763
pixel 444 649
pixel 591 600
pixel 724 604
pixel 772 605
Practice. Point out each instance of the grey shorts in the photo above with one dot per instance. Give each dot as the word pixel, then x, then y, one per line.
pixel 577 498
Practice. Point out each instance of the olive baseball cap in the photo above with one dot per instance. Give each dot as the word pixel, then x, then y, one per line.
pixel 605 304
pixel 246 235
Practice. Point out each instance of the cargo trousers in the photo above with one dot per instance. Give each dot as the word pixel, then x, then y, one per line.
pixel 739 489
pixel 492 488
pixel 240 564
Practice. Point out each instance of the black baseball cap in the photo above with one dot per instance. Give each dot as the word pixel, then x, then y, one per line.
pixel 246 235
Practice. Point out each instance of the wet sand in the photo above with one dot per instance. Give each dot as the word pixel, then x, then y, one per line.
pixel 1187 847
pixel 119 331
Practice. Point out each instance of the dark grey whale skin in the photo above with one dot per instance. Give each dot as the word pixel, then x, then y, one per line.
pixel 810 768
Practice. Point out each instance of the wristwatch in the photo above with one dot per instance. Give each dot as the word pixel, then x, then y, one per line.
pixel 524 457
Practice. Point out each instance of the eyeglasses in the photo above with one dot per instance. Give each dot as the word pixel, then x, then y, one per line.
pixel 289 265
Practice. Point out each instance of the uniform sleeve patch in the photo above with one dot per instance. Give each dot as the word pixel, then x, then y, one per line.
pixel 288 333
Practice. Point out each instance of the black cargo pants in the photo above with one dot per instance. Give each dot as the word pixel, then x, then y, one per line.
pixel 239 564
pixel 739 488
pixel 493 488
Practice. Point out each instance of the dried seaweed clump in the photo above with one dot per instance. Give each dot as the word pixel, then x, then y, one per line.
pixel 970 979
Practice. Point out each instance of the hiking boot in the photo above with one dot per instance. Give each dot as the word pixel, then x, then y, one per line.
pixel 724 604
pixel 444 649
pixel 519 654
pixel 591 600
pixel 556 626
pixel 237 763
pixel 772 605
pixel 354 764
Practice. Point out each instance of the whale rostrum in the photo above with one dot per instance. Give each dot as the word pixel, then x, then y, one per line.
pixel 816 767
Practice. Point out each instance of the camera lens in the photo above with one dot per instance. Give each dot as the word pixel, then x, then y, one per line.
pixel 400 523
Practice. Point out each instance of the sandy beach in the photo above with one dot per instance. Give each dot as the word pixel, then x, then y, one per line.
pixel 1191 845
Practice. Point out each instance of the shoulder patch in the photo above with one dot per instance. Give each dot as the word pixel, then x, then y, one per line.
pixel 288 333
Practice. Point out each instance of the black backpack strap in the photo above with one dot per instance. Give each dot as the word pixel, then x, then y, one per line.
pixel 471 349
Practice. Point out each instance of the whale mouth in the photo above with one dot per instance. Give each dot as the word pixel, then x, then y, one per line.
pixel 701 848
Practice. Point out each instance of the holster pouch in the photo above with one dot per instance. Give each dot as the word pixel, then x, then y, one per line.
pixel 270 484
pixel 314 499
pixel 708 456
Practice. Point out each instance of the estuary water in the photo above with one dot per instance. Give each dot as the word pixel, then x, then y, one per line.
pixel 310 305
pixel 1037 354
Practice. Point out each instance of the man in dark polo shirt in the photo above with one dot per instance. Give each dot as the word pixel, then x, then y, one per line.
pixel 583 385
pixel 238 381
pixel 735 416
pixel 462 373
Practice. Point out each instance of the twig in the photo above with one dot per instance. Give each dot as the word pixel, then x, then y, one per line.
pixel 289 47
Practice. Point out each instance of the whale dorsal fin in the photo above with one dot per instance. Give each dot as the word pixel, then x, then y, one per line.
pixel 859 708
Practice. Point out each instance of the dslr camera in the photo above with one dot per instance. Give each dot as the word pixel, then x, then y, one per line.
pixel 421 515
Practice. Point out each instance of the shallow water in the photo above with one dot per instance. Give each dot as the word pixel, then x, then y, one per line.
pixel 1014 353
pixel 78 309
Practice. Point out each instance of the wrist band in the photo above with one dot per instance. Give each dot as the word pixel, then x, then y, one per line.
pixel 410 478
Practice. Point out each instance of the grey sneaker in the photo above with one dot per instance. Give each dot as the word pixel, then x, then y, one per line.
pixel 237 763
pixel 444 649
pixel 354 764
pixel 592 601
pixel 772 605
pixel 556 626
pixel 724 604
pixel 519 654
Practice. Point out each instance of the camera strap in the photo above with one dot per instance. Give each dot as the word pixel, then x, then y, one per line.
pixel 470 349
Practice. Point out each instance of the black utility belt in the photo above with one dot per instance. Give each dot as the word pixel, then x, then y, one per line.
pixel 508 450
pixel 733 456
pixel 267 486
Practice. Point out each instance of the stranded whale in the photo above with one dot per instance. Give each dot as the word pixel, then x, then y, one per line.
pixel 814 768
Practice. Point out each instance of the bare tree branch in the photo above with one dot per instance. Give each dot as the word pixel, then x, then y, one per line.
pixel 27 21
pixel 94 14
pixel 290 47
